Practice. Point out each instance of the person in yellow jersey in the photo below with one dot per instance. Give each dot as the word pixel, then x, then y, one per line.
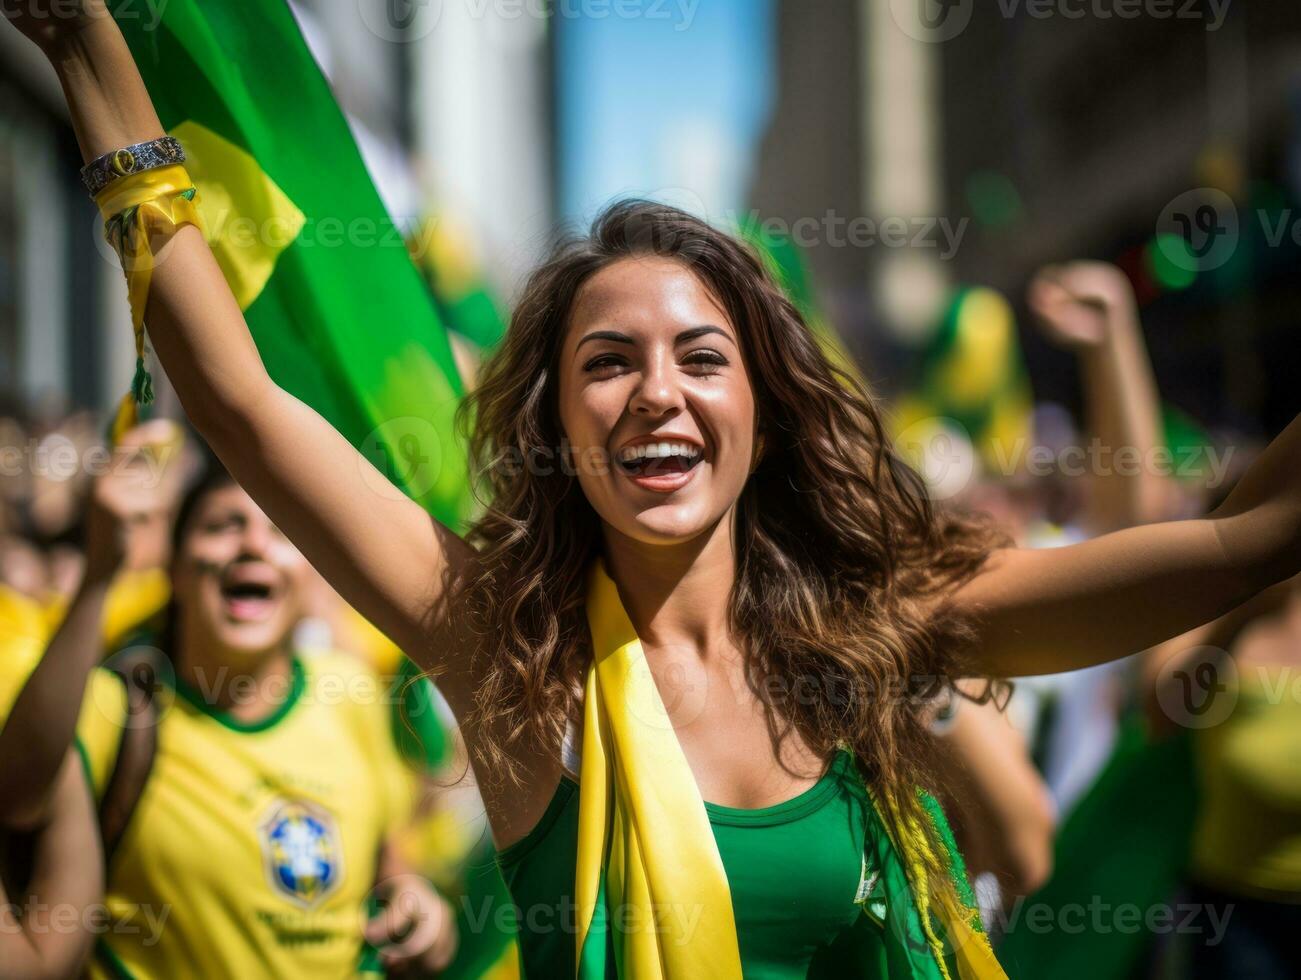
pixel 248 794
pixel 1235 684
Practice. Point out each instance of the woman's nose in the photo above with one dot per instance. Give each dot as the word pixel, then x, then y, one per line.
pixel 657 393
pixel 256 539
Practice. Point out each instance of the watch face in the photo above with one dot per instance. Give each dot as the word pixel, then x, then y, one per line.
pixel 124 162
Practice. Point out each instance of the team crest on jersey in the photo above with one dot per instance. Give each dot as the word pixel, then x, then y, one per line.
pixel 300 842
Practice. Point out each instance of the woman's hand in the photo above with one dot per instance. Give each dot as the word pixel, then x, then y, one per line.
pixel 138 488
pixel 51 22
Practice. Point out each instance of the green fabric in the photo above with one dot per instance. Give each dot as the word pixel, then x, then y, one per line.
pixel 1125 844
pixel 482 917
pixel 344 322
pixel 418 731
pixel 794 870
pixel 202 704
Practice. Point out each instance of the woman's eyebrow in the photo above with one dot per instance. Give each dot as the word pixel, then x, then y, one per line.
pixel 691 333
pixel 612 335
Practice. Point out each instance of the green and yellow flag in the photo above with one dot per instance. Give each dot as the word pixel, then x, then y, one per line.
pixel 338 311
pixel 786 264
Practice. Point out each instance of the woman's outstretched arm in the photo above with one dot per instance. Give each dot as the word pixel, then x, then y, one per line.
pixel 1049 610
pixel 381 551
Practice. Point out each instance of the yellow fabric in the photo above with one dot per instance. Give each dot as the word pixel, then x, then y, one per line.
pixel 643 823
pixel 24 631
pixel 1248 833
pixel 134 598
pixel 27 626
pixel 249 219
pixel 136 208
pixel 358 635
pixel 641 818
pixel 158 197
pixel 971 949
pixel 226 810
pixel 975 956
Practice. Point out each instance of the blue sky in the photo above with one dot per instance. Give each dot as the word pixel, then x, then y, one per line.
pixel 668 100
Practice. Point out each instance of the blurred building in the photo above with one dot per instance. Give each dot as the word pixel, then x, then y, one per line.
pixel 1036 136
pixel 1072 137
pixel 1045 136
pixel 58 293
pixel 450 108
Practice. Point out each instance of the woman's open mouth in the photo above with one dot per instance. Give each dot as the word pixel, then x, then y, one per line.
pixel 660 466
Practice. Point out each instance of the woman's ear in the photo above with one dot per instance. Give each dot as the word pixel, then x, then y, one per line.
pixel 759 446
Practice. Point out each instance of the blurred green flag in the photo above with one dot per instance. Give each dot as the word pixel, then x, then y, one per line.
pixel 335 305
pixel 786 264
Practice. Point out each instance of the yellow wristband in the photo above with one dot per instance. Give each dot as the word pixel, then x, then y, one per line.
pixel 134 209
pixel 137 189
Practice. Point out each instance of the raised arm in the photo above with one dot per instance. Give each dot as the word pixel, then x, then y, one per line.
pixel 67 875
pixel 382 552
pixel 1003 812
pixel 41 726
pixel 1089 308
pixel 1055 609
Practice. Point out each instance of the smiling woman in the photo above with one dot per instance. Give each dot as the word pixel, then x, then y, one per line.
pixel 750 642
pixel 724 465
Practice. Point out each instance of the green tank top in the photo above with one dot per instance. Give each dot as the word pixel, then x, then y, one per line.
pixel 794 871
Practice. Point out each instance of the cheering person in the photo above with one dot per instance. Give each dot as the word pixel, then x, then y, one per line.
pixel 247 811
pixel 701 561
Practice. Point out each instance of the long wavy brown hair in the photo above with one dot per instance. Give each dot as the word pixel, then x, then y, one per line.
pixel 840 556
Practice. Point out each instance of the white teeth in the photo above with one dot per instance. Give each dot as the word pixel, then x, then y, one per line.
pixel 659 450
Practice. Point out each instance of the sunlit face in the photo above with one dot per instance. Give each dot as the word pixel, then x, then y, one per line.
pixel 656 401
pixel 238 581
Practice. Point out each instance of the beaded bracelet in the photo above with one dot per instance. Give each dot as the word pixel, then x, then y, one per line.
pixel 149 155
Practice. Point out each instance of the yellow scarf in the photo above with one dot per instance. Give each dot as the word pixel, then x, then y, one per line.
pixel 644 838
pixel 647 858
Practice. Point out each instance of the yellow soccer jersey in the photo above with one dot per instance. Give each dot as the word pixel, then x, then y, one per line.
pixel 26 626
pixel 134 598
pixel 23 635
pixel 253 847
